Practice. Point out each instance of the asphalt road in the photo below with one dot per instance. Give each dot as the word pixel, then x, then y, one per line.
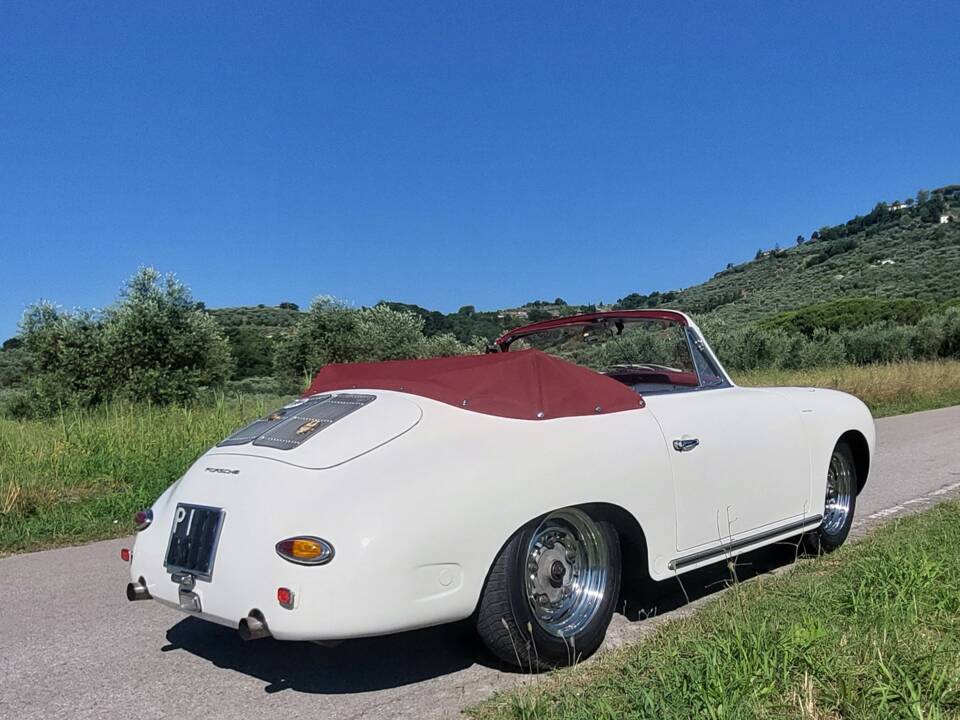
pixel 71 646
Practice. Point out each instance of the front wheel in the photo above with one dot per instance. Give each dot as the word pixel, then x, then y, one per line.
pixel 839 503
pixel 551 591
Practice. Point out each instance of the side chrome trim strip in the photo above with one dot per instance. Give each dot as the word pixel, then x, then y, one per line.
pixel 733 547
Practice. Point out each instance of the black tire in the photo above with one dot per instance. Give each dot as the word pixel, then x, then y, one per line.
pixel 832 533
pixel 505 618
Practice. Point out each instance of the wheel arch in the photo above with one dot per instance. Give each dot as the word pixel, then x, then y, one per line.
pixel 634 556
pixel 861 454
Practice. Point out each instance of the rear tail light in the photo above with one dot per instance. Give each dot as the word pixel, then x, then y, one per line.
pixel 142 519
pixel 285 597
pixel 305 550
pixel 125 554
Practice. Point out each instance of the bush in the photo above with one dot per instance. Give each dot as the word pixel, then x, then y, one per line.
pixel 822 350
pixel 159 347
pixel 878 343
pixel 850 313
pixel 333 332
pixel 153 345
pixel 950 343
pixel 755 347
pixel 750 347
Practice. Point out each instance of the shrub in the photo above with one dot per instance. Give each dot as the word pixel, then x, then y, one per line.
pixel 158 345
pixel 153 345
pixel 750 347
pixel 950 343
pixel 823 349
pixel 879 342
pixel 333 332
pixel 850 313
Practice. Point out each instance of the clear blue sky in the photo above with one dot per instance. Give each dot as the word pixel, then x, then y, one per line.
pixel 452 153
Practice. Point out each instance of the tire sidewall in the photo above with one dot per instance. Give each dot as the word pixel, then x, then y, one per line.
pixel 548 649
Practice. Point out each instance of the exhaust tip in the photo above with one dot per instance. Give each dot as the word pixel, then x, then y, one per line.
pixel 253 627
pixel 137 591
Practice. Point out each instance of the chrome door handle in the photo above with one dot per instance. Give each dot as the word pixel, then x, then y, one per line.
pixel 685 445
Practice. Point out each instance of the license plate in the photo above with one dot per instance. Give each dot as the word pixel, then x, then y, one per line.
pixel 193 540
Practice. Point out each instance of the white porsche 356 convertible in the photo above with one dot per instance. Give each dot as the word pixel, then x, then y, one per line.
pixel 513 487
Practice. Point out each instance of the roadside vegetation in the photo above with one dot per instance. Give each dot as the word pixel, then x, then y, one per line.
pixel 81 475
pixel 871 632
pixel 101 409
pixel 887 389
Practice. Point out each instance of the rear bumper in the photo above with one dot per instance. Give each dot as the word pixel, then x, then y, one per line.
pixel 320 610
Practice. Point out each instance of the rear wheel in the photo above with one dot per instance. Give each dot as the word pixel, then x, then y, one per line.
pixel 839 503
pixel 551 591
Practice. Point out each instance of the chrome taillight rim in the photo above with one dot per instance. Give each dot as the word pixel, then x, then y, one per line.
pixel 142 519
pixel 285 549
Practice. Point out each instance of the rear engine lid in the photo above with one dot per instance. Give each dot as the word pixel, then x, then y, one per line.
pixel 322 431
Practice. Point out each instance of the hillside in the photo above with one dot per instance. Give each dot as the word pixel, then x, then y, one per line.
pixel 892 252
pixel 897 251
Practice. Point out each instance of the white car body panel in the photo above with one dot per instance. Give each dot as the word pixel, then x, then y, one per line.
pixel 418 497
pixel 750 445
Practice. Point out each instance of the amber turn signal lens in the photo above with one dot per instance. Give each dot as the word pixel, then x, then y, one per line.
pixel 305 550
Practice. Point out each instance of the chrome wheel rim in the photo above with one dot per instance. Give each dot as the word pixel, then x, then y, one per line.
pixel 566 568
pixel 839 494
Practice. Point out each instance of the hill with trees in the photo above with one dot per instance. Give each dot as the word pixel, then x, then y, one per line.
pixel 898 250
pixel 881 287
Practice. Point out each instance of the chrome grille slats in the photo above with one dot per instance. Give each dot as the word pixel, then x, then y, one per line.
pixel 308 420
pixel 297 422
pixel 263 425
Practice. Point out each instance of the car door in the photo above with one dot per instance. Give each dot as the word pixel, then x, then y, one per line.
pixel 740 462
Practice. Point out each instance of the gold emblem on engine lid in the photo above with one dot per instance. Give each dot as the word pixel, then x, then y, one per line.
pixel 308 427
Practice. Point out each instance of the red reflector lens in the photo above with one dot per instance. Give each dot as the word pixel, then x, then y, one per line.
pixel 285 597
pixel 142 519
pixel 125 554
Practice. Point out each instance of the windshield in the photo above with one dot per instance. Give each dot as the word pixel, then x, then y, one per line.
pixel 649 355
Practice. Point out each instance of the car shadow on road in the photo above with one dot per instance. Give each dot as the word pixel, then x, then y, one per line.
pixel 380 663
pixel 361 665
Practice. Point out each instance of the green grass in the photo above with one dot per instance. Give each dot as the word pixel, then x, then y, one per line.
pixel 871 632
pixel 82 475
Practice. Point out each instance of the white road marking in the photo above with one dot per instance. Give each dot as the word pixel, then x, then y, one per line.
pixel 927 499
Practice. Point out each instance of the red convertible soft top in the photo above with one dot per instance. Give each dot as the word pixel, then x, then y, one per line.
pixel 527 385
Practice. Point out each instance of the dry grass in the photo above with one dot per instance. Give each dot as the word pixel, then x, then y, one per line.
pixel 887 389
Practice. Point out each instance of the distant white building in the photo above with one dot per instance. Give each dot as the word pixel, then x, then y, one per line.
pixel 944 219
pixel 899 206
pixel 514 313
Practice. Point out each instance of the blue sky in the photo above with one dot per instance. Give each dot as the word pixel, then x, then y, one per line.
pixel 452 153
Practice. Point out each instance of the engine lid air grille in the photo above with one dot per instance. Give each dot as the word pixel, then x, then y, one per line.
pixel 294 424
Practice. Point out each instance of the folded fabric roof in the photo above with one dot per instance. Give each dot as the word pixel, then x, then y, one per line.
pixel 527 384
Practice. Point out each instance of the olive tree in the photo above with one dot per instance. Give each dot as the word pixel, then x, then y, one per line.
pixel 159 345
pixel 154 344
pixel 333 332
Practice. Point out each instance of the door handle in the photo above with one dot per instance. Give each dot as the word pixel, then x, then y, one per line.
pixel 685 444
